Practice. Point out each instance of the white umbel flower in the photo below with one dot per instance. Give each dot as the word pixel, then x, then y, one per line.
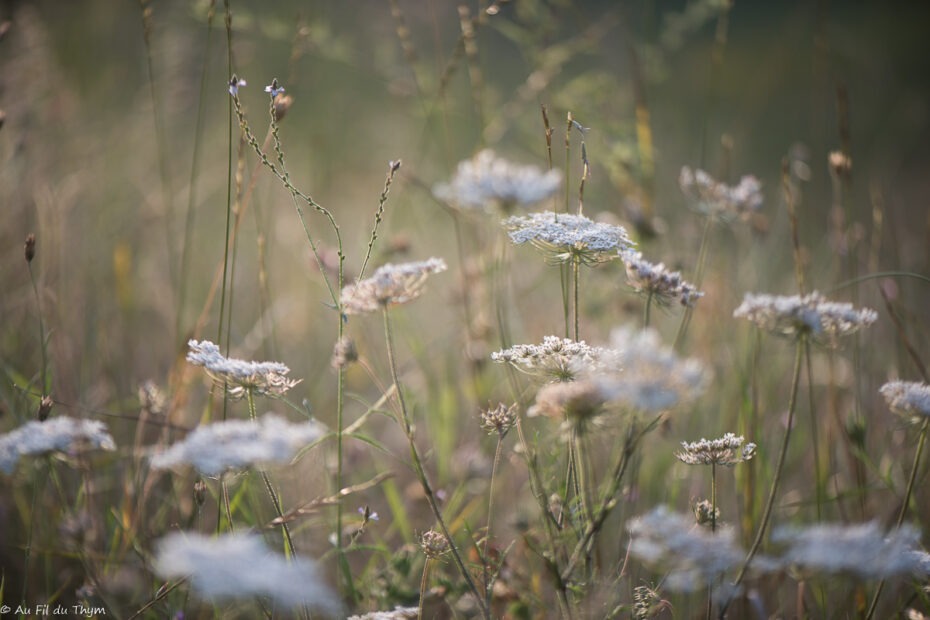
pixel 59 434
pixel 564 237
pixel 389 285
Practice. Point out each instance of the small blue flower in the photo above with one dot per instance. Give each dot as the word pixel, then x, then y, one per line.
pixel 234 84
pixel 274 89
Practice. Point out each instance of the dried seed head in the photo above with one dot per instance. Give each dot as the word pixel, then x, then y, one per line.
pixel 728 451
pixel 282 103
pixel 152 399
pixel 840 163
pixel 200 492
pixel 344 353
pixel 45 407
pixel 500 419
pixel 434 544
pixel 30 249
pixel 705 513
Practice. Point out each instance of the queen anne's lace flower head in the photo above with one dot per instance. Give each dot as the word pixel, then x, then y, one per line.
pixel 639 372
pixel 908 398
pixel 662 285
pixel 556 359
pixel 863 550
pixel 715 199
pixel 238 444
pixel 728 450
pixel 58 434
pixel 564 237
pixel 240 566
pixel 694 557
pixel 239 376
pixel 811 315
pixel 398 613
pixel 487 181
pixel 578 402
pixel 389 285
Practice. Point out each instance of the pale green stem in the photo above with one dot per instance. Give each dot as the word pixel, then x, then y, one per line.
pixel 285 529
pixel 487 532
pixel 576 272
pixel 404 420
pixel 907 500
pixel 698 278
pixel 46 388
pixel 818 481
pixel 770 503
pixel 424 582
pixel 647 310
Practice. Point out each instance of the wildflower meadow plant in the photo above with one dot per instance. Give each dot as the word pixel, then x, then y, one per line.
pixel 389 285
pixel 238 444
pixel 554 359
pixel 811 315
pixel 487 182
pixel 240 377
pixel 62 434
pixel 712 198
pixel 564 238
pixel 240 566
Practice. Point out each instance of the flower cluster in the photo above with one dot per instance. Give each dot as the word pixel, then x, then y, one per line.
pixel 240 566
pixel 60 434
pixel 500 419
pixel 559 359
pixel 693 557
pixel 642 374
pixel 564 237
pixel 657 281
pixel 863 550
pixel 811 315
pixel 240 377
pixel 728 451
pixel 715 199
pixel 398 613
pixel 907 398
pixel 576 401
pixel 486 181
pixel 390 284
pixel 238 444
pixel 434 544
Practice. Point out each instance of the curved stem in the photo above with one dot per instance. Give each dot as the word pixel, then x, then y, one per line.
pixel 907 500
pixel 769 504
pixel 404 420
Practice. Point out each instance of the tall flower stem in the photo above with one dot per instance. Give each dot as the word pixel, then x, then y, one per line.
pixel 921 443
pixel 424 582
pixel 576 285
pixel 815 441
pixel 487 531
pixel 769 504
pixel 275 500
pixel 647 310
pixel 404 421
pixel 698 279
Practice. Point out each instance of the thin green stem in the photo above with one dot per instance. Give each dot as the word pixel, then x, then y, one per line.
pixel 818 481
pixel 576 272
pixel 698 278
pixel 647 310
pixel 192 188
pixel 27 552
pixel 276 502
pixel 424 582
pixel 912 478
pixel 46 388
pixel 404 420
pixel 770 503
pixel 487 532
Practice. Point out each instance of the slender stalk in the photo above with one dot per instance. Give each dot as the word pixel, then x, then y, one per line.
pixel 27 552
pixel 46 388
pixel 818 481
pixel 404 421
pixel 192 188
pixel 576 272
pixel 487 531
pixel 698 278
pixel 647 310
pixel 769 504
pixel 285 530
pixel 921 442
pixel 424 582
